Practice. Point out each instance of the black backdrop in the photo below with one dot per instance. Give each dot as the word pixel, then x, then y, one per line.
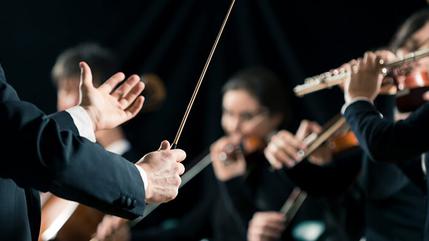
pixel 173 38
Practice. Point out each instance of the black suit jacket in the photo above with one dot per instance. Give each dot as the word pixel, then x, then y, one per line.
pixel 385 140
pixel 400 142
pixel 45 153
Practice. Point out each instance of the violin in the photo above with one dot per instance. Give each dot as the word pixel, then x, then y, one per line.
pixel 247 146
pixel 343 141
pixel 339 138
pixel 410 89
pixel 65 220
pixel 336 133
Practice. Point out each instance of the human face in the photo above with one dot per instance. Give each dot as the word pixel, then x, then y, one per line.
pixel 67 93
pixel 419 40
pixel 244 116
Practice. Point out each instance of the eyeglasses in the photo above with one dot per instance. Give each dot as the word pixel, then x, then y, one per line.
pixel 414 44
pixel 245 116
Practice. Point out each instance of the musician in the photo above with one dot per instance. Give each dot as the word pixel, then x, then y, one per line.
pixel 57 155
pixel 381 135
pixel 240 181
pixel 344 198
pixel 253 107
pixel 66 77
pixel 382 139
pixel 395 193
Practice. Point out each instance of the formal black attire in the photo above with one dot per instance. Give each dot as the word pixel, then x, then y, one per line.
pixel 394 198
pixel 46 153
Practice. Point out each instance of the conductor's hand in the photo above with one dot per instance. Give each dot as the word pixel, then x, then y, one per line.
pixel 110 105
pixel 163 170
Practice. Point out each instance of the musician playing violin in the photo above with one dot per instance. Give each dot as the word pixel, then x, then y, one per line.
pixel 253 107
pixel 240 182
pixel 401 142
pixel 83 221
pixel 382 139
pixel 323 173
pixel 394 193
pixel 65 75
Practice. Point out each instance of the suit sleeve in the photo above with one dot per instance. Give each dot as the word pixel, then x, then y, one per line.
pixel 385 140
pixel 46 153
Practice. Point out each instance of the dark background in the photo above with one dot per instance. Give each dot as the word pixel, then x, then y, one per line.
pixel 173 38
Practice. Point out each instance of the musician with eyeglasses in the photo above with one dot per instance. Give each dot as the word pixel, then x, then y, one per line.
pixel 240 181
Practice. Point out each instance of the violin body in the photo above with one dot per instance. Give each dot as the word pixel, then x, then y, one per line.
pixel 343 141
pixel 64 220
pixel 411 89
pixel 247 145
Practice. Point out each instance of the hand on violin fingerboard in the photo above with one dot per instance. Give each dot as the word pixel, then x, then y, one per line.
pixel 286 149
pixel 228 159
pixel 283 150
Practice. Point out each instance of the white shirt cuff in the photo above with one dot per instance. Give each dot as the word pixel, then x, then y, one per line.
pixel 353 100
pixel 144 177
pixel 83 122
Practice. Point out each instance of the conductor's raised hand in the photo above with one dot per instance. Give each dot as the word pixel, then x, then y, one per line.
pixel 112 103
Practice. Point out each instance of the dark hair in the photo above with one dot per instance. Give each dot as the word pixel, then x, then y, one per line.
pixel 101 61
pixel 408 28
pixel 263 85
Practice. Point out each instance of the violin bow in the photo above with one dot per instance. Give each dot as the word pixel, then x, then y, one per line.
pixel 200 79
pixel 152 207
pixel 149 208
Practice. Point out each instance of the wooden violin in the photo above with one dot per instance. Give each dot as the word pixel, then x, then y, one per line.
pixel 339 138
pixel 336 133
pixel 410 89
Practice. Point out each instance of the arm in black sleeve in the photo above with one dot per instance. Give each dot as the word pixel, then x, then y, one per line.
pixel 385 140
pixel 37 153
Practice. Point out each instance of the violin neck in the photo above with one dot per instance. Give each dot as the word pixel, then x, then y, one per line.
pixel 293 203
pixel 315 141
